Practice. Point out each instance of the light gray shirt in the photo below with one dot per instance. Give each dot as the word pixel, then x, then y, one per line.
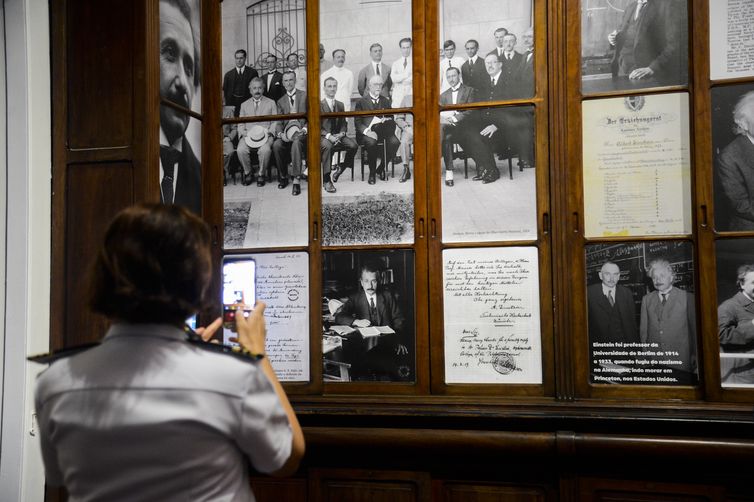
pixel 148 416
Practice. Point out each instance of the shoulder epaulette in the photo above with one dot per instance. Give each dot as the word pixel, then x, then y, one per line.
pixel 231 350
pixel 51 357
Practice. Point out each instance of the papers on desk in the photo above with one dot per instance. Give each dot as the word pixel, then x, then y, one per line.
pixel 376 331
pixel 365 332
pixel 342 330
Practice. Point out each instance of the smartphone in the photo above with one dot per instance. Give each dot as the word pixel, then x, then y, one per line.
pixel 239 287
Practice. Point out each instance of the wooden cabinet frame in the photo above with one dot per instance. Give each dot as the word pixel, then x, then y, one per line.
pixel 565 389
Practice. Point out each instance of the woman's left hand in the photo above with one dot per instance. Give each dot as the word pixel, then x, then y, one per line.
pixel 207 332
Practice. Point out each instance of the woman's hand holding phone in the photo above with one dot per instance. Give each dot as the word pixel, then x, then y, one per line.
pixel 251 331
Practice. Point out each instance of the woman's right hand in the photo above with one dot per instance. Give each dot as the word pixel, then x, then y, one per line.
pixel 251 331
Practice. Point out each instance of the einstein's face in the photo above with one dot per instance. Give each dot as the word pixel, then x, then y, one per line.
pixel 177 68
pixel 369 282
pixel 747 285
pixel 662 278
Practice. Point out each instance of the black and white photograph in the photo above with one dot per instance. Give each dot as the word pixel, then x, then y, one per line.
pixel 491 42
pixel 265 197
pixel 180 159
pixel 368 316
pixel 262 40
pixel 180 83
pixel 733 154
pixel 368 189
pixel 489 188
pixel 633 44
pixel 362 42
pixel 735 311
pixel 641 313
pixel 180 53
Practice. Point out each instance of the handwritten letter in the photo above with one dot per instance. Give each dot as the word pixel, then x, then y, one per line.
pixel 283 284
pixel 491 309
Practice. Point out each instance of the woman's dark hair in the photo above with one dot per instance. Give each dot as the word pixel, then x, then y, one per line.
pixel 154 266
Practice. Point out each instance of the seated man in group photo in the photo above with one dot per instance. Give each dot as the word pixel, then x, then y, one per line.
pixel 372 131
pixel 372 305
pixel 290 138
pixel 459 127
pixel 333 136
pixel 257 137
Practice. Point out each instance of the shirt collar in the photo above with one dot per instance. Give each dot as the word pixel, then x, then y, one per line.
pixel 167 331
pixel 606 290
pixel 456 88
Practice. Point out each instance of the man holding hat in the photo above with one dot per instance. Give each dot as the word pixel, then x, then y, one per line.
pixel 257 137
pixel 290 139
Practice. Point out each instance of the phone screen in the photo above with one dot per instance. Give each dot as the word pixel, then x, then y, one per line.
pixel 239 286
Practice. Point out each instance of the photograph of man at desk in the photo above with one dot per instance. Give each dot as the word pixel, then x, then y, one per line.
pixel 368 316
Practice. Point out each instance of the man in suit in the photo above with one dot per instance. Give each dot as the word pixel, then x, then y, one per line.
pixel 180 170
pixel 372 129
pixel 333 134
pixel 449 60
pixel 612 313
pixel 291 62
pixel 650 43
pixel 371 305
pixel 273 79
pixel 494 123
pixel 526 87
pixel 401 74
pixel 473 71
pixel 527 74
pixel 499 37
pixel 236 82
pixel 735 322
pixel 343 75
pixel 735 168
pixel 460 126
pixel 285 148
pixel 668 320
pixel 375 67
pixel 256 106
pixel 512 67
